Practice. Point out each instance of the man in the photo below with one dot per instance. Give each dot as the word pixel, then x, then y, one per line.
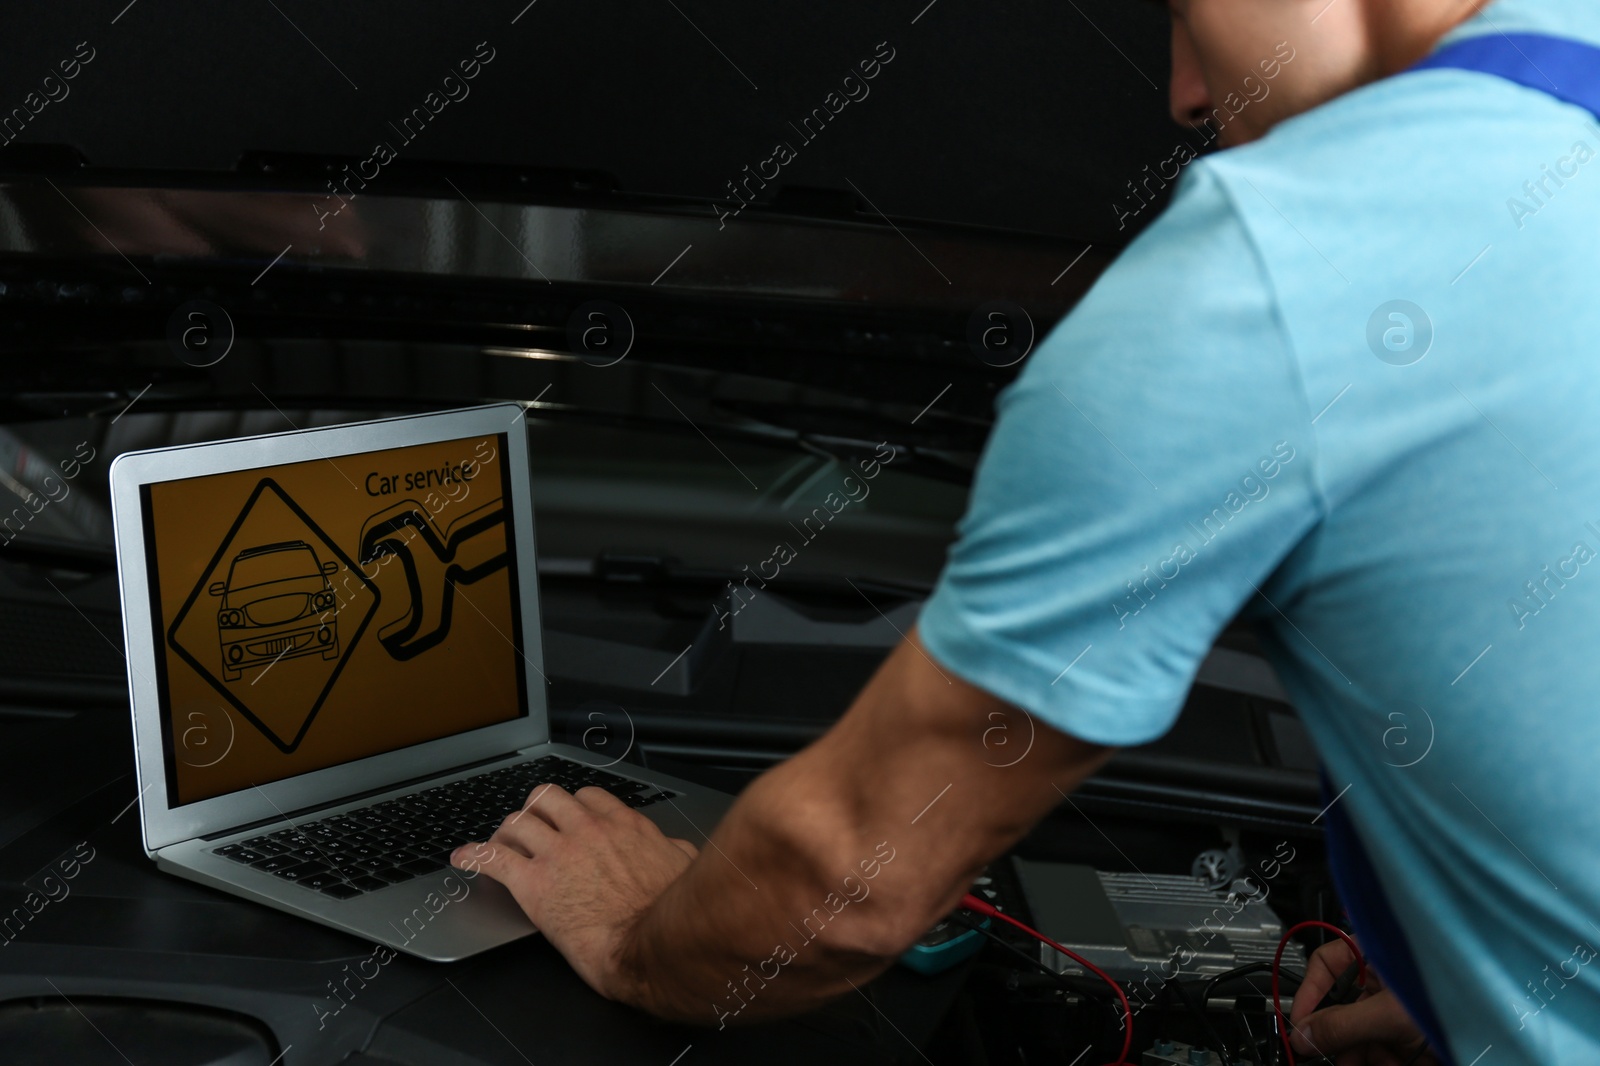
pixel 1347 384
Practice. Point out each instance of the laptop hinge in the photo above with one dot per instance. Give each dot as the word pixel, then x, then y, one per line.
pixel 277 819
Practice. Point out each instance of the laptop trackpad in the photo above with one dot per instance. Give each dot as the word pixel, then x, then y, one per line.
pixel 441 916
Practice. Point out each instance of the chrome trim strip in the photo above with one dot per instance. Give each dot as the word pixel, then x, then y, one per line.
pixel 675 249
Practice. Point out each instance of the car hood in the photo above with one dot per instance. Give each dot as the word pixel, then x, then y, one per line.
pixel 344 207
pixel 1031 120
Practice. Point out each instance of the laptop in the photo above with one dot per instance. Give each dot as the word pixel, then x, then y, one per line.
pixel 336 677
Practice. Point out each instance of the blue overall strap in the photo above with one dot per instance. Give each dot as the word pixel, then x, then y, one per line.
pixel 1556 66
pixel 1379 932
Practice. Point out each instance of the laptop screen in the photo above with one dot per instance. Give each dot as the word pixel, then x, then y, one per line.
pixel 319 612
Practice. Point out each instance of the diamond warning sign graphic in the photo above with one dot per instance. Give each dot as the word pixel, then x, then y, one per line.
pixel 274 617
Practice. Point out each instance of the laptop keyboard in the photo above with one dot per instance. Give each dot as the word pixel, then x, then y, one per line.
pixel 348 854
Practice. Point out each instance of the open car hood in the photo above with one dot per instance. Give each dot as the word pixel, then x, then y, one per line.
pixel 875 321
pixel 1031 118
pixel 833 199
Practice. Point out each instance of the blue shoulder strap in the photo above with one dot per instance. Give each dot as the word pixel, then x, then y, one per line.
pixel 1557 66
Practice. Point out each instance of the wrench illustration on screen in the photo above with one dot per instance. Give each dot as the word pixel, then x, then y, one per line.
pixel 466 550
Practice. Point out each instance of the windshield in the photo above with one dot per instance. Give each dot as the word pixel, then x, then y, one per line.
pixel 276 564
pixel 599 490
pixel 41 469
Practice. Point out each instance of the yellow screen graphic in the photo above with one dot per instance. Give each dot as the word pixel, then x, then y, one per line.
pixel 323 611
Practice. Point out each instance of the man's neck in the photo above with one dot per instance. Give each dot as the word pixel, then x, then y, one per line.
pixel 1407 32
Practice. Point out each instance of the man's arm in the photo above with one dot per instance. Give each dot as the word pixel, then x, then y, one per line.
pixel 1140 549
pixel 825 870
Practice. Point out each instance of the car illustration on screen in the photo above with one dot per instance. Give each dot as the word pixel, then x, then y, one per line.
pixel 276 604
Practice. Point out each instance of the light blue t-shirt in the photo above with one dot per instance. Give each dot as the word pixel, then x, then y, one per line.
pixel 1348 383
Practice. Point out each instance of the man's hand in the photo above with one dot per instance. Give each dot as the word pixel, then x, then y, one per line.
pixel 584 867
pixel 1373 1031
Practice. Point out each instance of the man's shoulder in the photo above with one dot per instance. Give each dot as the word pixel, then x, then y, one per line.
pixel 1325 172
pixel 1414 135
pixel 1405 178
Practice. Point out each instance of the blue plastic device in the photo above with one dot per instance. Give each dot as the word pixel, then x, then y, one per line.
pixel 944 946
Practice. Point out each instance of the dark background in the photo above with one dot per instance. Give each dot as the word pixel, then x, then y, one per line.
pixel 1016 115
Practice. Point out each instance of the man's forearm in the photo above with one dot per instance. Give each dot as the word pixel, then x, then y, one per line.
pixel 756 925
pixel 833 863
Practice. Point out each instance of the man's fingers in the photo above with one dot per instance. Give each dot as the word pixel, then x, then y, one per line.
pixel 686 847
pixel 1322 971
pixel 493 859
pixel 599 801
pixel 552 804
pixel 1378 1020
pixel 524 833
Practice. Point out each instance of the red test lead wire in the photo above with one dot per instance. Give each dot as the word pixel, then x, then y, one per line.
pixel 1277 1009
pixel 988 910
